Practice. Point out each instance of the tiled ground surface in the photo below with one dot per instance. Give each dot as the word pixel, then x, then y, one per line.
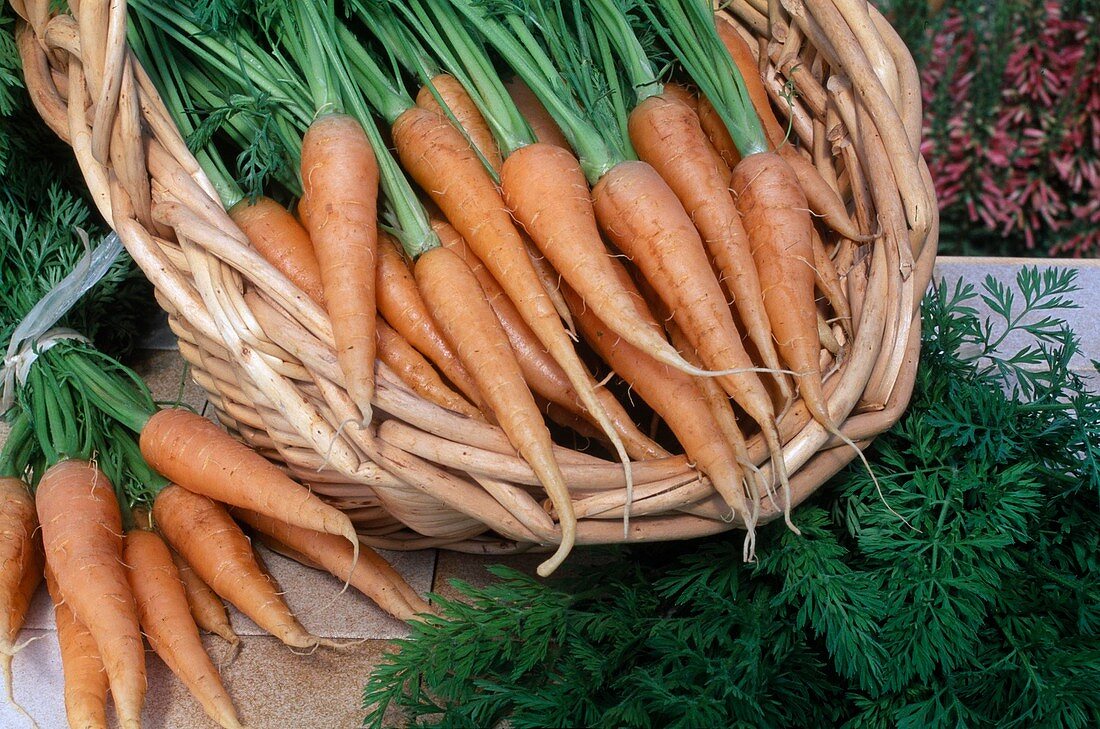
pixel 275 688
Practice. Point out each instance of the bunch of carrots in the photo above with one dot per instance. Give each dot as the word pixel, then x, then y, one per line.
pixel 157 552
pixel 154 548
pixel 509 203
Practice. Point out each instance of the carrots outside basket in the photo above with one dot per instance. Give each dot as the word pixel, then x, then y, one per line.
pixel 82 536
pixel 166 620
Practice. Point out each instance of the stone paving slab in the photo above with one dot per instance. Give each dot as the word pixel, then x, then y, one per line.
pixel 1084 320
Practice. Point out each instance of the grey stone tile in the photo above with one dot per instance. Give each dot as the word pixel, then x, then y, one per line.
pixel 1083 320
pixel 314 597
pixel 271 686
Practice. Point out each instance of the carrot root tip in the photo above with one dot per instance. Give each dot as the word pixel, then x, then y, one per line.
pixel 6 658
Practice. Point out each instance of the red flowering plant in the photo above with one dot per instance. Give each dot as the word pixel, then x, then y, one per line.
pixel 1012 122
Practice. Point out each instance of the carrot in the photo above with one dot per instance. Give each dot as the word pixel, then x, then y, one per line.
pixel 166 619
pixel 458 305
pixel 192 451
pixel 821 198
pixel 667 135
pixel 340 193
pixel 465 111
pixel 436 156
pixel 717 133
pixel 661 240
pixel 82 535
pixel 722 411
pixel 202 531
pixel 772 205
pixel 546 189
pixel 371 574
pixel 404 310
pixel 82 668
pixel 415 372
pixel 206 607
pixel 21 563
pixel 542 124
pixel 779 226
pixel 672 394
pixel 282 241
pixel 540 371
pixel 551 283
pixel 682 94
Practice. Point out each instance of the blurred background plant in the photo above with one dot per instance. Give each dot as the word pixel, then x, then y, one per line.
pixel 1012 121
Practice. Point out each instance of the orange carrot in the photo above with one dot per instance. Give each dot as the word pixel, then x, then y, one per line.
pixel 672 394
pixel 21 563
pixel 779 226
pixel 340 193
pixel 436 156
pixel 202 531
pixel 82 535
pixel 404 310
pixel 546 190
pixel 659 237
pixel 540 371
pixel 716 131
pixel 282 241
pixel 821 198
pixel 542 124
pixel 415 372
pixel 192 451
pixel 682 94
pixel 166 619
pixel 551 283
pixel 667 135
pixel 206 607
pixel 82 668
pixel 371 574
pixel 661 240
pixel 458 305
pixel 465 111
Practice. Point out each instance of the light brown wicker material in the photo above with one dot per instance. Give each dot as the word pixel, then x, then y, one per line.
pixel 424 477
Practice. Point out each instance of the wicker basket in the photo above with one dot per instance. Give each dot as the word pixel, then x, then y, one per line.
pixel 422 476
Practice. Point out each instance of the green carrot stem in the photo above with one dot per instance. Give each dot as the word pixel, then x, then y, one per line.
pixel 523 53
pixel 464 58
pixel 417 234
pixel 14 456
pixel 687 27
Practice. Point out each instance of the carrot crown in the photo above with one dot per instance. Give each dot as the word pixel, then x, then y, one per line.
pixel 504 28
pixel 79 403
pixel 687 27
pixel 438 26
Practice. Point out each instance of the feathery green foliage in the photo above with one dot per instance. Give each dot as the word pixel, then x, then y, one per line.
pixel 985 613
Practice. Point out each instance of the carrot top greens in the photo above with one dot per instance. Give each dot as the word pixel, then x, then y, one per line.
pixel 988 610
